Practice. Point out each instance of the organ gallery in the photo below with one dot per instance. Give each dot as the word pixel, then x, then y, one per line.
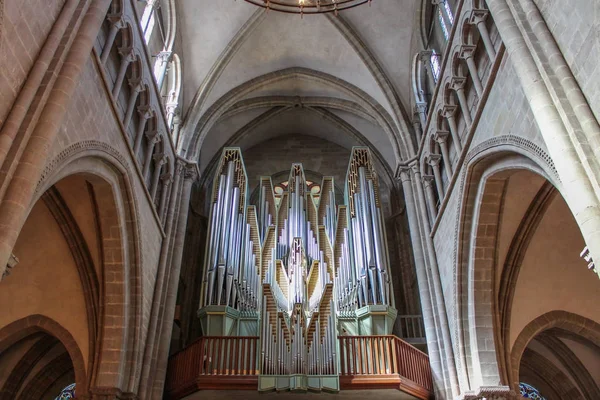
pixel 296 269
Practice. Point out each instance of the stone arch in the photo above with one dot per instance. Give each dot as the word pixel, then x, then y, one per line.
pixel 108 174
pixel 22 328
pixel 484 182
pixel 576 324
pixel 196 134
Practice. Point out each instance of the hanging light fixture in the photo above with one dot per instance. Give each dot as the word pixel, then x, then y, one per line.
pixel 308 6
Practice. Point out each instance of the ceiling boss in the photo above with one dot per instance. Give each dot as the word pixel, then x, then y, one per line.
pixel 308 6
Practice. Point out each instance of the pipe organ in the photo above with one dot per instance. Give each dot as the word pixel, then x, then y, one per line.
pixel 297 270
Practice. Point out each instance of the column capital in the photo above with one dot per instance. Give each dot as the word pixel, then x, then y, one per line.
pixel 434 159
pixel 136 84
pixel 127 53
pixel 404 173
pixel 152 135
pixel 477 16
pixel 466 51
pixel 160 159
pixel 441 136
pixel 457 83
pixel 166 178
pixel 425 56
pixel 449 110
pixel 116 20
pixel 414 166
pixel 421 107
pixel 146 112
pixel 191 172
pixel 428 180
pixel 164 56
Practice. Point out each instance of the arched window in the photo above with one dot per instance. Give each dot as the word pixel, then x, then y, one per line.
pixel 435 65
pixel 529 392
pixel 449 12
pixel 67 393
pixel 443 23
pixel 148 20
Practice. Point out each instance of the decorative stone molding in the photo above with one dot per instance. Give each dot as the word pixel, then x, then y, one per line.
pixel 466 51
pixel 477 16
pixel 116 20
pixel 127 54
pixel 489 393
pixel 449 111
pixel 587 256
pixel 441 136
pixel 434 159
pixel 457 83
pixel 518 143
pixel 12 262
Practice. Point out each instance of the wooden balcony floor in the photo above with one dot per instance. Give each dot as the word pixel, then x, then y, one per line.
pixel 374 394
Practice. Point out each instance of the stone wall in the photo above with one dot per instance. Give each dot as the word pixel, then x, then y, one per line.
pixel 575 26
pixel 24 26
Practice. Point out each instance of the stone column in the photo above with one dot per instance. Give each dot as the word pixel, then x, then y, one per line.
pixel 153 139
pixel 136 89
pixel 477 18
pixel 441 137
pixel 159 160
pixel 127 57
pixel 416 122
pixel 458 85
pixel 166 180
pixel 448 112
pixel 434 161
pixel 425 56
pixel 568 154
pixel 145 114
pixel 160 67
pixel 466 53
pixel 428 185
pixel 421 109
pixel 116 24
pixel 14 206
pixel 190 176
pixel 438 297
pixel 160 288
pixel 421 270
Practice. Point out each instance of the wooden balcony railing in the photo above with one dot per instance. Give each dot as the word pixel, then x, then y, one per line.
pixel 213 362
pixel 384 362
pixel 375 362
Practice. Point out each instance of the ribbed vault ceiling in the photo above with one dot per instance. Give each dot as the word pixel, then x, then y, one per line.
pixel 250 76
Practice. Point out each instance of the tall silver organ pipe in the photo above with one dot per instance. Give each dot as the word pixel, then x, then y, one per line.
pixel 301 266
pixel 233 243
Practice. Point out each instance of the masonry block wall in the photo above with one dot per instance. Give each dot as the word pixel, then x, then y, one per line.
pixel 574 26
pixel 24 26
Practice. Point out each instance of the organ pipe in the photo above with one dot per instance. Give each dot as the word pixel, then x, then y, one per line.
pixel 296 261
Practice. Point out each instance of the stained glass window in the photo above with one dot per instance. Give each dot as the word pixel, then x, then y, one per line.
pixel 67 393
pixel 529 392
pixel 435 65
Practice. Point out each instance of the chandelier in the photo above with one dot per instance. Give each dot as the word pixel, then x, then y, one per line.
pixel 308 6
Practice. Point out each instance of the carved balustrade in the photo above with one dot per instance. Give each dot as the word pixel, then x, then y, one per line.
pixel 448 121
pixel 127 69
